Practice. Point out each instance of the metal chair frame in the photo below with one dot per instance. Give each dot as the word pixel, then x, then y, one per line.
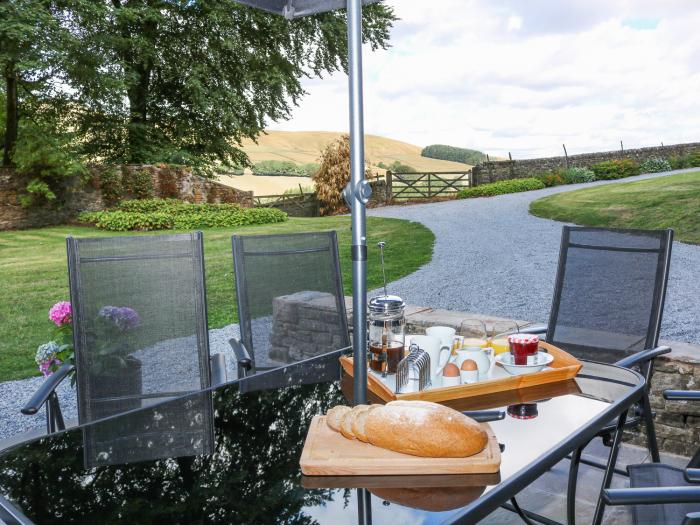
pixel 213 368
pixel 644 360
pixel 244 348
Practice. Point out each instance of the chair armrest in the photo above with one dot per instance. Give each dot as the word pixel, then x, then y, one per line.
pixel 682 395
pixel 217 364
pixel 46 389
pixel 651 496
pixel 245 363
pixel 692 475
pixel 643 357
pixel 533 329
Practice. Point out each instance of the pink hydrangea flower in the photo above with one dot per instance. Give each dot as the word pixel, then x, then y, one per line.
pixel 61 313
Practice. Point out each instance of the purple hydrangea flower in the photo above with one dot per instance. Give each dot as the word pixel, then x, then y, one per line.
pixel 123 317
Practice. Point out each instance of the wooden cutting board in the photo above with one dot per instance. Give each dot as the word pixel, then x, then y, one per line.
pixel 328 453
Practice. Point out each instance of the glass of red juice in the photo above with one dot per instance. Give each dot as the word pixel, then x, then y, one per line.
pixel 521 346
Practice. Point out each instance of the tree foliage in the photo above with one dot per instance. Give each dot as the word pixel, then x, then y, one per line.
pixel 146 81
pixel 463 155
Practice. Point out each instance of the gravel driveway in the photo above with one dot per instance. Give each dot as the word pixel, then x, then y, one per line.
pixel 492 257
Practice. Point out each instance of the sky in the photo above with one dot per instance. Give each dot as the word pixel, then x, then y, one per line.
pixel 525 77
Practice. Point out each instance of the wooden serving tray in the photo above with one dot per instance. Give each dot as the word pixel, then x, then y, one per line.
pixel 565 366
pixel 328 453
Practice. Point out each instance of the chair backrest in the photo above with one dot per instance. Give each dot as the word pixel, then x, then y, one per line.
pixel 139 326
pixel 610 291
pixel 290 296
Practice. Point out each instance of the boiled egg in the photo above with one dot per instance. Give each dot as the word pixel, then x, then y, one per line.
pixel 469 365
pixel 450 370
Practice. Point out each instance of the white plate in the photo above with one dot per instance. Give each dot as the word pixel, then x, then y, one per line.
pixel 535 363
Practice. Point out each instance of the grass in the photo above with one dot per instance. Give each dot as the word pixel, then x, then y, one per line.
pixel 666 202
pixel 33 274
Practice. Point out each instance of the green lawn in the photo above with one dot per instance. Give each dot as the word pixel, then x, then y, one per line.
pixel 666 202
pixel 33 274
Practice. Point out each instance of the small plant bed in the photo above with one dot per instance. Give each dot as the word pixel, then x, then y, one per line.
pixel 168 214
pixel 502 187
pixel 664 202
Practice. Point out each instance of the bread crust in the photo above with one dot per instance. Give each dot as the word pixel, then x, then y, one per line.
pixel 425 429
pixel 335 415
pixel 358 423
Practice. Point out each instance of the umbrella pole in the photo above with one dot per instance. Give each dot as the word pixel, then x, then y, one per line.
pixel 359 196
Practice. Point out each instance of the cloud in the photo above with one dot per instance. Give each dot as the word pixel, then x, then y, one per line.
pixel 526 77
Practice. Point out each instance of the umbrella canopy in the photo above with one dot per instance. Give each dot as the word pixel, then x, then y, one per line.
pixel 298 8
pixel 358 191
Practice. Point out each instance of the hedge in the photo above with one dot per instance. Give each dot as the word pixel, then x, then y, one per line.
pixel 168 214
pixel 501 187
pixel 615 169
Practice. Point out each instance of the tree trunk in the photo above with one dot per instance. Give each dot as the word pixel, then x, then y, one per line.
pixel 11 123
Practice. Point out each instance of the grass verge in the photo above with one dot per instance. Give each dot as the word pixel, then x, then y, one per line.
pixel 672 201
pixel 33 274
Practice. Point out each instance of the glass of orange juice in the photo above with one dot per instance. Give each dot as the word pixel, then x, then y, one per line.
pixel 498 332
pixel 474 333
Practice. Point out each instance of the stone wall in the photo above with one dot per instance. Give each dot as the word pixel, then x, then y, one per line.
pixel 174 182
pixel 304 325
pixel 506 169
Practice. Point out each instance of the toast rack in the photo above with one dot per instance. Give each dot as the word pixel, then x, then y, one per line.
pixel 413 371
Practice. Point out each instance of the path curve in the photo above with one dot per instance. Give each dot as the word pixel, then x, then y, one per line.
pixel 491 256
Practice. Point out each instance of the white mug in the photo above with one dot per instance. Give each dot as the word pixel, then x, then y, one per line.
pixel 446 334
pixel 439 354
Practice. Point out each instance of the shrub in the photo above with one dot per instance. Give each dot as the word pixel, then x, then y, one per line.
pixel 138 184
pixel 615 169
pixel 119 221
pixel 166 214
pixel 333 175
pixel 111 186
pixel 689 160
pixel 577 175
pixel 550 178
pixel 502 187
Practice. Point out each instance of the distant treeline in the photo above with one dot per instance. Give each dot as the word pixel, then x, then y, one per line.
pixel 285 168
pixel 444 152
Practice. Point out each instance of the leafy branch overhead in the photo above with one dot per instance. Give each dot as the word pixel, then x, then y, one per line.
pixel 143 81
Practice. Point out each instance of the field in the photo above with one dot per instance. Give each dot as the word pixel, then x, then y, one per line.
pixel 33 274
pixel 263 185
pixel 672 201
pixel 305 146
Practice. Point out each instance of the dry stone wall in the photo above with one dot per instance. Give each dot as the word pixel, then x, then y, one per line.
pixel 515 169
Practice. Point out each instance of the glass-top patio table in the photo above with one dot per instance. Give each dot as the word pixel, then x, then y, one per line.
pixel 231 455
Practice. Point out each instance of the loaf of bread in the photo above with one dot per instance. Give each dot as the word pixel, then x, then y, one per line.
pixel 349 418
pixel 425 429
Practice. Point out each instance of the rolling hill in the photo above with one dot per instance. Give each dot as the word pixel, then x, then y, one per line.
pixel 305 146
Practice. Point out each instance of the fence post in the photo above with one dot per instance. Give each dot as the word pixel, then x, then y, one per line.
pixel 566 155
pixel 389 188
pixel 429 186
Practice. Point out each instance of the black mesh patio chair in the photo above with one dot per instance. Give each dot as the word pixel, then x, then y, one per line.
pixel 290 298
pixel 139 328
pixel 607 307
pixel 661 493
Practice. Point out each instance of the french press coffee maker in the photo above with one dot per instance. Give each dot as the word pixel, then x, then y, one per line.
pixel 386 328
